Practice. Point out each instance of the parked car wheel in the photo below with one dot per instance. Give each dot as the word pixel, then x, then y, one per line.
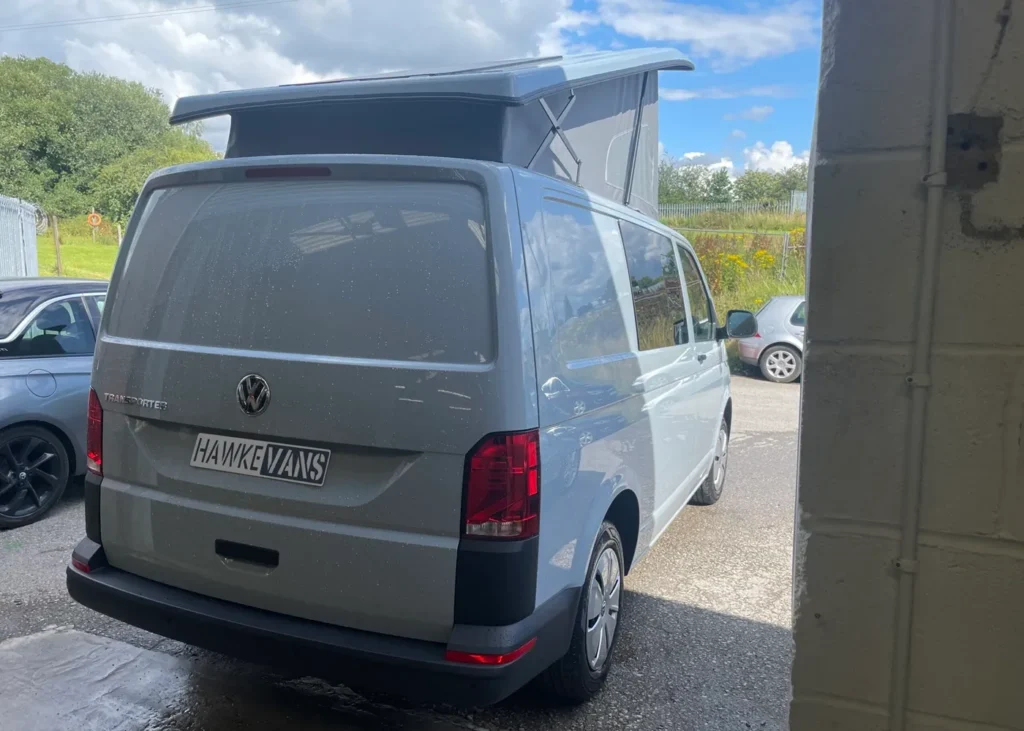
pixel 711 489
pixel 579 675
pixel 781 364
pixel 34 471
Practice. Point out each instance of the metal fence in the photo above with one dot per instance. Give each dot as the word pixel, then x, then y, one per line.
pixel 18 257
pixel 797 203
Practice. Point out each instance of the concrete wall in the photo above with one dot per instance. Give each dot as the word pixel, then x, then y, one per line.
pixel 909 564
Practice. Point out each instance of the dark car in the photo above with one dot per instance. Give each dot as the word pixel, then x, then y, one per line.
pixel 47 335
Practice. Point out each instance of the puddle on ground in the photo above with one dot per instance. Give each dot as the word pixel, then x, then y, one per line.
pixel 66 680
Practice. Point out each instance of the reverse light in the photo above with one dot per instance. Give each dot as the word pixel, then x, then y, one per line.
pixel 503 487
pixel 471 658
pixel 94 436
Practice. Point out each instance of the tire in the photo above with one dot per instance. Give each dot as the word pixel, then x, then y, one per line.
pixel 711 489
pixel 34 472
pixel 576 678
pixel 781 364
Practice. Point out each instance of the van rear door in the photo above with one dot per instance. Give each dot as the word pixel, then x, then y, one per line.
pixel 293 364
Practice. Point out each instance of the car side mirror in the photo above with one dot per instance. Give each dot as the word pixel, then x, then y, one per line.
pixel 738 324
pixel 679 332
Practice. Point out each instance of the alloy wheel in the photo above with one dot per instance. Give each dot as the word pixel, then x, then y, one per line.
pixel 30 474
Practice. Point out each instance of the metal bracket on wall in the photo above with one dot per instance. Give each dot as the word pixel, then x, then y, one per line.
pixel 556 130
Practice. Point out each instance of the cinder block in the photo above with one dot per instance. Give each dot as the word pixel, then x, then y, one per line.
pixel 965 442
pixel 865 247
pixel 854 425
pixel 997 207
pixel 986 70
pixel 979 296
pixel 876 62
pixel 807 714
pixel 968 644
pixel 844 617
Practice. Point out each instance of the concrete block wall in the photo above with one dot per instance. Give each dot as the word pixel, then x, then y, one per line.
pixel 882 72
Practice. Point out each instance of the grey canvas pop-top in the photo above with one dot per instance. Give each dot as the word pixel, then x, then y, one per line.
pixel 591 118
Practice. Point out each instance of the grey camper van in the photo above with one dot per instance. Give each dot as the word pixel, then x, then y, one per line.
pixel 403 409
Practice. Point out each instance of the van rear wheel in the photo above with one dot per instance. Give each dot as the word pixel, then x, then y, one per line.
pixel 579 675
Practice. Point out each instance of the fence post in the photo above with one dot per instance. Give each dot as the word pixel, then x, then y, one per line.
pixel 56 244
pixel 118 234
pixel 785 255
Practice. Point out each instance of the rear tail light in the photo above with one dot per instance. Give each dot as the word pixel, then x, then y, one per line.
pixel 476 659
pixel 94 436
pixel 80 565
pixel 503 487
pixel 757 335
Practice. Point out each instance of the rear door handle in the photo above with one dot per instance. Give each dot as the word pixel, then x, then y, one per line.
pixel 701 358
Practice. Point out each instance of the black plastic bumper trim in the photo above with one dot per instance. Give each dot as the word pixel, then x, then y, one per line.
pixel 92 507
pixel 495 581
pixel 411 668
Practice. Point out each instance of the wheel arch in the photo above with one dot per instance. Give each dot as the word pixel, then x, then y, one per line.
pixel 624 514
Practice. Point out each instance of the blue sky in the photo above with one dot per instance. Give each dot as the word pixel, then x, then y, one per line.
pixel 749 104
pixel 755 84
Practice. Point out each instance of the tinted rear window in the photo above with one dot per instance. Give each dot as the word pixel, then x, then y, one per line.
pixel 385 270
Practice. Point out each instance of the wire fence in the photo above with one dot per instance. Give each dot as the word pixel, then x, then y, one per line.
pixel 797 203
pixel 18 256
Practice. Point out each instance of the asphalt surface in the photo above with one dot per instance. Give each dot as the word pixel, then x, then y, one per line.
pixel 705 641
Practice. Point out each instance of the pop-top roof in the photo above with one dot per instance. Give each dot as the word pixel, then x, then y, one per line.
pixel 511 83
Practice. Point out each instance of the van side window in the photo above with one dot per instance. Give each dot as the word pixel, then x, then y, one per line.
pixel 657 294
pixel 585 312
pixel 701 314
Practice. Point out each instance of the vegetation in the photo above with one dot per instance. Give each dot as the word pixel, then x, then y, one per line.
pixel 767 221
pixel 698 184
pixel 70 142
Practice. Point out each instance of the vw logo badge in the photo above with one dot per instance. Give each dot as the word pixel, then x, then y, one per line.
pixel 253 394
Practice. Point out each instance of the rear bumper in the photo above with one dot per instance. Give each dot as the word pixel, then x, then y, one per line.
pixel 750 353
pixel 411 668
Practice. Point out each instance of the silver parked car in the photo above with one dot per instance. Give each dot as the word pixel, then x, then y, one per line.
pixel 778 347
pixel 46 345
pixel 407 420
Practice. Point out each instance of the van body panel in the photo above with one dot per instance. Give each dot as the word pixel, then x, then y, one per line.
pixel 375 546
pixel 613 417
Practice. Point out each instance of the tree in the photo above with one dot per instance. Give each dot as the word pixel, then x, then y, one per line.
pixel 60 128
pixel 117 185
pixel 759 186
pixel 719 187
pixel 795 178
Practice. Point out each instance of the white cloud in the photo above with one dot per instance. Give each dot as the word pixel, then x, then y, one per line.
pixel 738 134
pixel 706 160
pixel 754 114
pixel 778 157
pixel 728 39
pixel 685 95
pixel 196 53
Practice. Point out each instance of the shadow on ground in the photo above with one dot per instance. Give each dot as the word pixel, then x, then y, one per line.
pixel 676 667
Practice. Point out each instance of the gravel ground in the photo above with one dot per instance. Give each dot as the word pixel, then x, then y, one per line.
pixel 705 645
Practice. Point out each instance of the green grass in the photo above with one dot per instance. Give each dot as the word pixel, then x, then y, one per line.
pixel 79 257
pixel 731 221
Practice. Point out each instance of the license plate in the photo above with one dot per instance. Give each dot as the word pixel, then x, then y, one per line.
pixel 285 462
